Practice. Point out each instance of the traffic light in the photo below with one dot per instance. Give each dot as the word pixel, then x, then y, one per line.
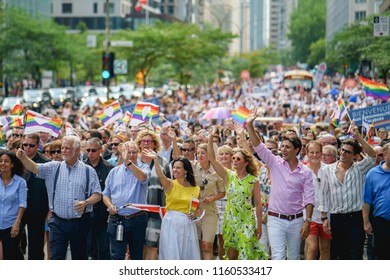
pixel 108 65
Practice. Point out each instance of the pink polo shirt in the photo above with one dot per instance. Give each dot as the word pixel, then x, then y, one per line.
pixel 291 191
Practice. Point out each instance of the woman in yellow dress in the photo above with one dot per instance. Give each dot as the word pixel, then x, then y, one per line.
pixel 178 236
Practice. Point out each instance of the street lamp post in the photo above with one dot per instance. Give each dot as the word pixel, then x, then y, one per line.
pixel 107 50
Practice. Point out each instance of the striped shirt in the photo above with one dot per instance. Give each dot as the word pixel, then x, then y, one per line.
pixel 346 197
pixel 71 186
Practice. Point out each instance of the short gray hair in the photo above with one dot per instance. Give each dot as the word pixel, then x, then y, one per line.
pixel 94 141
pixel 76 140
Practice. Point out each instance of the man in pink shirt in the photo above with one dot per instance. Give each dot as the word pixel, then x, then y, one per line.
pixel 292 191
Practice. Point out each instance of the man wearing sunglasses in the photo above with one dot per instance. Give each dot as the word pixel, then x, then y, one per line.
pixel 100 243
pixel 37 200
pixel 17 133
pixel 188 149
pixel 342 197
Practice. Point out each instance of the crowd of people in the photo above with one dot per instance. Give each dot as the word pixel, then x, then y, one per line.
pixel 229 191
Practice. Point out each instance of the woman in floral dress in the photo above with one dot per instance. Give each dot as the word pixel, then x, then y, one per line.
pixel 240 233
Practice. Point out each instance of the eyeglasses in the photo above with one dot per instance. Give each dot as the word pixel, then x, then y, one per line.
pixel 380 155
pixel 236 158
pixel 204 183
pixel 46 152
pixel 331 143
pixel 147 141
pixel 342 150
pixel 187 149
pixel 132 153
pixel 55 152
pixel 29 145
pixel 17 135
pixel 114 144
pixel 91 150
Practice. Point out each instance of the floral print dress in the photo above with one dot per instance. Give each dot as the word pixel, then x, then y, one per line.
pixel 239 224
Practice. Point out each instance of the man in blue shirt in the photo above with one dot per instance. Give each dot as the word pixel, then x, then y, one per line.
pixel 72 188
pixel 377 195
pixel 127 183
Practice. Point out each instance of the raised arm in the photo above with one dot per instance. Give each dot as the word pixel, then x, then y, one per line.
pixel 367 148
pixel 27 162
pixel 176 153
pixel 165 182
pixel 251 130
pixel 218 167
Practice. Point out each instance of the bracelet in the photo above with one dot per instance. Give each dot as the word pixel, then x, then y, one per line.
pixel 324 218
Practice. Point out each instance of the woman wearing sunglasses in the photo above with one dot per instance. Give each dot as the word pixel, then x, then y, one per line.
pixel 55 150
pixel 117 139
pixel 145 140
pixel 240 233
pixel 212 188
pixel 178 237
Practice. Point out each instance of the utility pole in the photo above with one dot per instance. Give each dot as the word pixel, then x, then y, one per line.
pixel 108 42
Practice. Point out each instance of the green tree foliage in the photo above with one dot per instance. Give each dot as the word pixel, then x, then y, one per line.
pixel 317 52
pixel 355 44
pixel 180 45
pixel 255 62
pixel 307 26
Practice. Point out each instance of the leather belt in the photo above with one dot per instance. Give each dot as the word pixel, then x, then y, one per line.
pixel 130 216
pixel 285 217
pixel 85 215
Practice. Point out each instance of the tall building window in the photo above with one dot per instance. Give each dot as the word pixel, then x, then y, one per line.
pixel 171 10
pixel 360 15
pixel 66 8
pixel 95 8
pixel 111 8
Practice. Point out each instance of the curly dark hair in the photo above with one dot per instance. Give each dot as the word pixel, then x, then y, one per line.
pixel 187 167
pixel 18 167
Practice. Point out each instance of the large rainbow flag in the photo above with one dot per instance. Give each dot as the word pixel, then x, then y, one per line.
pixel 110 113
pixel 38 123
pixel 143 112
pixel 374 89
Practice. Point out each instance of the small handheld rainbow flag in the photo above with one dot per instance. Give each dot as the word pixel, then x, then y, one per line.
pixel 143 112
pixel 339 113
pixel 110 113
pixel 83 122
pixel 194 204
pixel 240 115
pixel 17 110
pixel 11 121
pixel 38 123
pixel 374 89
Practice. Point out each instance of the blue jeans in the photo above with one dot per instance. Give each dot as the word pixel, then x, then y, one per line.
pixel 133 235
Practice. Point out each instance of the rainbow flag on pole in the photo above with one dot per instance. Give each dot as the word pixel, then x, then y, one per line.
pixel 143 112
pixel 11 121
pixel 110 113
pixel 240 115
pixel 339 112
pixel 38 123
pixel 17 110
pixel 374 89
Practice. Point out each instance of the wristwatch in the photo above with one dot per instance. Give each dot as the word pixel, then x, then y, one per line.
pixel 86 203
pixel 308 220
pixel 130 163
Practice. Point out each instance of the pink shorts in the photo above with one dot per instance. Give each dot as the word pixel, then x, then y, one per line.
pixel 318 230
